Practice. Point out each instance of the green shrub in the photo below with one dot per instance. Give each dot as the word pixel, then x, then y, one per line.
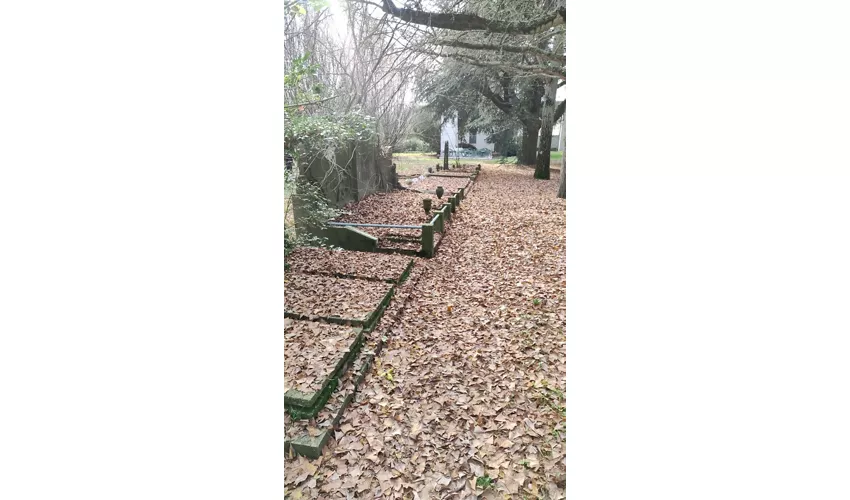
pixel 315 211
pixel 414 144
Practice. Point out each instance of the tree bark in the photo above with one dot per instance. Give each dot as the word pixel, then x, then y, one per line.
pixel 528 150
pixel 559 111
pixel 547 118
pixel 500 47
pixel 462 118
pixel 562 186
pixel 468 22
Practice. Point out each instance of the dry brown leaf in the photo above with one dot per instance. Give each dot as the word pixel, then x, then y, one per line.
pixel 415 429
pixel 505 443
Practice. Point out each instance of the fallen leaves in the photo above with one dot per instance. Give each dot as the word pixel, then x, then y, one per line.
pixel 367 265
pixel 450 185
pixel 415 429
pixel 461 354
pixel 311 352
pixel 396 207
pixel 311 295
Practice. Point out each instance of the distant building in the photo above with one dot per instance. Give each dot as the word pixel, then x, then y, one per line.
pixel 448 132
pixel 556 136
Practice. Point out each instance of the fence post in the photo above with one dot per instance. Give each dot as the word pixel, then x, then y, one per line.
pixel 428 239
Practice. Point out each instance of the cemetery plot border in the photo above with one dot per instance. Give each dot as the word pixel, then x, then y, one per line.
pixel 308 440
pixel 307 403
pixel 350 264
pixel 383 293
pixel 384 237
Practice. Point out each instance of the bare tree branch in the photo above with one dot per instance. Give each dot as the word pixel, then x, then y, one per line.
pixel 505 65
pixel 502 48
pixel 467 22
pixel 308 103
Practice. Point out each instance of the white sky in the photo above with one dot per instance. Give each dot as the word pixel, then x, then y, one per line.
pixel 338 16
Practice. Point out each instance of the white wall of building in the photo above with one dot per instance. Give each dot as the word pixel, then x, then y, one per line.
pixel 448 132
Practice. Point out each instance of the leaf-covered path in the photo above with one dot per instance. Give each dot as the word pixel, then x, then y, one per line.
pixel 466 399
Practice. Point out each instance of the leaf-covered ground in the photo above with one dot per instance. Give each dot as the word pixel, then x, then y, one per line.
pixel 396 207
pixel 297 428
pixel 450 184
pixel 367 265
pixel 401 207
pixel 312 295
pixel 466 399
pixel 312 350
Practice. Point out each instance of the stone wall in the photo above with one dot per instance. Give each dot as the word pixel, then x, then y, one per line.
pixel 353 173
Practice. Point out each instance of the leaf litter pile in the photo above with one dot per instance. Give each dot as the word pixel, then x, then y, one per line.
pixel 311 295
pixel 466 399
pixel 366 265
pixel 312 350
pixel 374 343
pixel 450 185
pixel 400 207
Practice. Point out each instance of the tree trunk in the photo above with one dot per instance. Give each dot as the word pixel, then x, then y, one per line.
pixel 462 119
pixel 547 117
pixel 562 187
pixel 527 154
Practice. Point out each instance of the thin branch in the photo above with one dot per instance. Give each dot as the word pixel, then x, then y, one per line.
pixel 311 102
pixel 506 66
pixel 506 48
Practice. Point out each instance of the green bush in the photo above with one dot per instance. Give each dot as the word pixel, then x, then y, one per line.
pixel 315 211
pixel 414 144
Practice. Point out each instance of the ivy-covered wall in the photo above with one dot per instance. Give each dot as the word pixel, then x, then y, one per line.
pixel 351 173
pixel 341 154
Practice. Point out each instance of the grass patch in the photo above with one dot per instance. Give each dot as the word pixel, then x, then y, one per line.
pixel 418 163
pixel 414 163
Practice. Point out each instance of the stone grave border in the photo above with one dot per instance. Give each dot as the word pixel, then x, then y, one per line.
pixel 311 446
pixel 397 280
pixel 304 403
pixel 349 237
pixel 366 323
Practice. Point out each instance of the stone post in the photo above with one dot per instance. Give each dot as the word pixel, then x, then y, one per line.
pixel 428 239
pixel 438 221
pixel 447 212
